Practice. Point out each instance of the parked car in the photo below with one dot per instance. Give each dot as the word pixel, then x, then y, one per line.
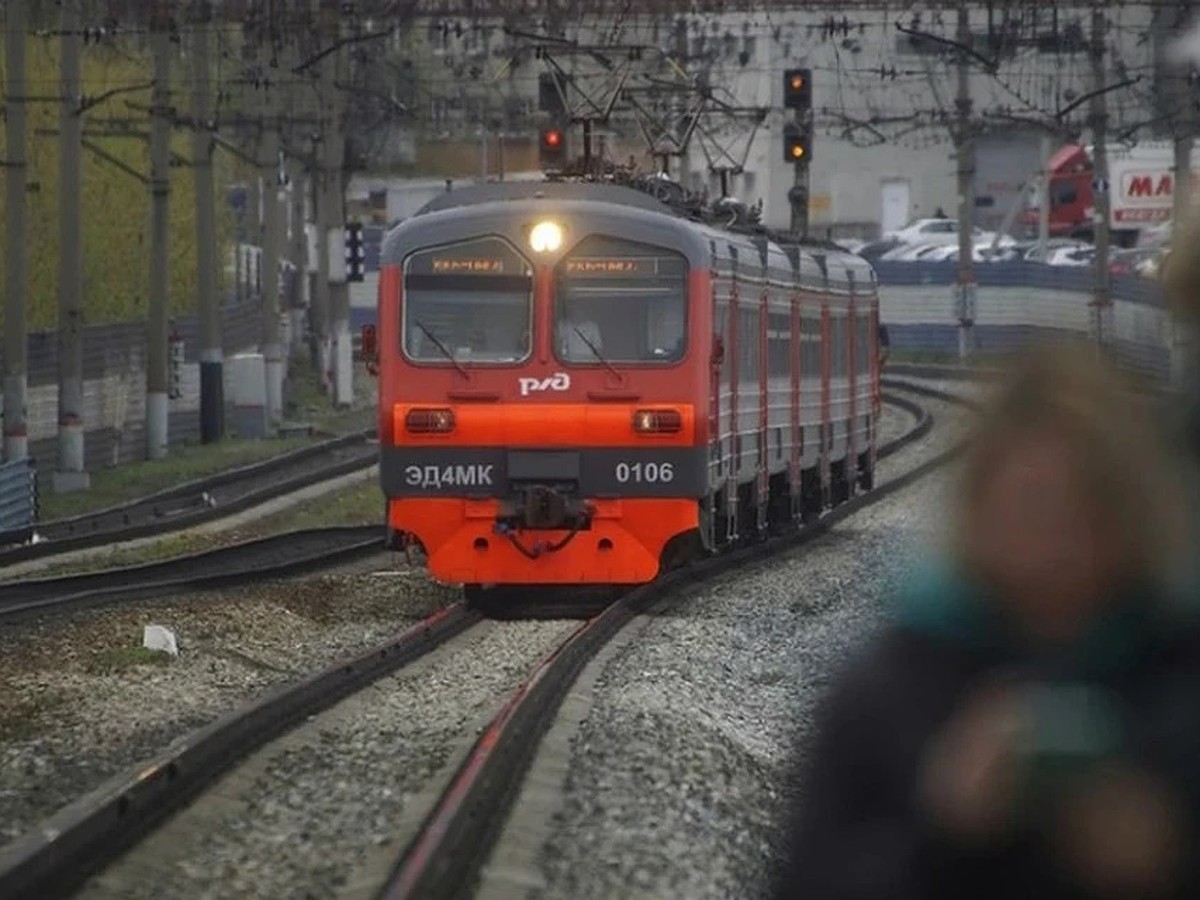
pixel 943 231
pixel 1071 256
pixel 1127 262
pixel 1034 253
pixel 876 249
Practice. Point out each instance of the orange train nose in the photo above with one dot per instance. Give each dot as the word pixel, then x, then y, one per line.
pixel 623 543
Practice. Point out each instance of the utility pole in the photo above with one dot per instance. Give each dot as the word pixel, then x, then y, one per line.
pixel 69 474
pixel 1101 300
pixel 1185 120
pixel 965 146
pixel 160 188
pixel 16 381
pixel 299 251
pixel 322 192
pixel 212 378
pixel 270 169
pixel 1044 205
pixel 298 214
pixel 335 215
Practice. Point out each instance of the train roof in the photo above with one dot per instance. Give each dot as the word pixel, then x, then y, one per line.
pixel 499 191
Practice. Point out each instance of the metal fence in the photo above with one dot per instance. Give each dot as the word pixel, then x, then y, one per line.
pixel 1017 303
pixel 114 363
pixel 18 501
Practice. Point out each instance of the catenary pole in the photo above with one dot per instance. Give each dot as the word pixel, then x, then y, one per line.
pixel 269 169
pixel 1185 121
pixel 69 474
pixel 212 356
pixel 298 177
pixel 160 186
pixel 342 387
pixel 1101 300
pixel 16 357
pixel 1047 178
pixel 965 147
pixel 323 213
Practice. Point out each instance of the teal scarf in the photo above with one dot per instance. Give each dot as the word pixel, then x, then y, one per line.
pixel 945 603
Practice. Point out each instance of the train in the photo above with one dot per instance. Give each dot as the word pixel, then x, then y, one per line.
pixel 582 383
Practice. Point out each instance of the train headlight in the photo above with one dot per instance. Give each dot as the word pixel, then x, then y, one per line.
pixel 429 421
pixel 657 421
pixel 545 237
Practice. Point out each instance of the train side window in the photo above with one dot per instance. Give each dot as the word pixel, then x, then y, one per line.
pixel 469 302
pixel 861 346
pixel 622 302
pixel 779 343
pixel 837 333
pixel 810 343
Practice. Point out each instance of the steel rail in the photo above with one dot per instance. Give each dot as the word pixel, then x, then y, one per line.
pixel 276 556
pixel 87 835
pixel 200 501
pixel 446 856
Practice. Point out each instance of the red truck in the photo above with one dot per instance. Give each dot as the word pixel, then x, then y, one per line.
pixel 1141 181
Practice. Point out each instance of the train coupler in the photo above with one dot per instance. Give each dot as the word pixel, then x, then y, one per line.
pixel 542 508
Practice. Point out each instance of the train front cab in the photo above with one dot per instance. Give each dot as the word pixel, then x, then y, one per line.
pixel 554 437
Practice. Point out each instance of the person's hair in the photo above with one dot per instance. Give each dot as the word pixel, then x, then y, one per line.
pixel 1123 460
pixel 1181 269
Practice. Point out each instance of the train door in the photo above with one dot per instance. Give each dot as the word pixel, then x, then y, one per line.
pixel 763 477
pixel 853 381
pixel 733 350
pixel 826 412
pixel 718 420
pixel 795 370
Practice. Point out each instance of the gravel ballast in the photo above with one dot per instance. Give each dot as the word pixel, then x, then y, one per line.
pixel 678 775
pixel 301 817
pixel 82 700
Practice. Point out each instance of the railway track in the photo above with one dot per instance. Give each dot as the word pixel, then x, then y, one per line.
pixel 201 501
pixel 445 858
pixel 455 838
pixel 281 555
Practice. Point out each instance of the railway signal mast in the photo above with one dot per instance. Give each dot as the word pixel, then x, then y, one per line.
pixel 797 141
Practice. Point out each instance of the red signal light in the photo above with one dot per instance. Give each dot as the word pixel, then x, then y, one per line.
pixel 553 138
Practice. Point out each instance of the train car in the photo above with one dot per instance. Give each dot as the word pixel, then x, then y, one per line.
pixel 579 385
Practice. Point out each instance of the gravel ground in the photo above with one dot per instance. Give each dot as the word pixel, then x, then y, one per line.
pixel 83 702
pixel 677 776
pixel 299 818
pixel 893 422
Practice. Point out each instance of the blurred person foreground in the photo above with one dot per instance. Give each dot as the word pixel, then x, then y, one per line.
pixel 1181 281
pixel 1026 724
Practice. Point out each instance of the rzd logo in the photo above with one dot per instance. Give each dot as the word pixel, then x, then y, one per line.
pixel 559 381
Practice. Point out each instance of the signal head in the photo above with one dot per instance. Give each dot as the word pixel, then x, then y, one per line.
pixel 797 143
pixel 552 147
pixel 797 88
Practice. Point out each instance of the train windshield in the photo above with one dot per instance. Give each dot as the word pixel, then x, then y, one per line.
pixel 617 301
pixel 468 303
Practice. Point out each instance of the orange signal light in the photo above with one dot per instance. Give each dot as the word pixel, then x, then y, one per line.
pixel 797 151
pixel 429 421
pixel 797 82
pixel 657 421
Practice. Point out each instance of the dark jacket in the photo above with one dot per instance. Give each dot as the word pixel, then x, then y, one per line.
pixel 858 832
